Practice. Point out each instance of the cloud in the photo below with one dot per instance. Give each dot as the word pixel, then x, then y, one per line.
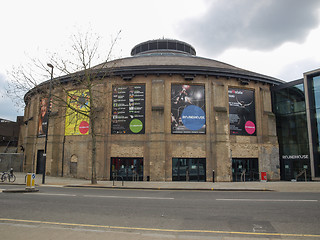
pixel 251 24
pixel 297 68
pixel 8 110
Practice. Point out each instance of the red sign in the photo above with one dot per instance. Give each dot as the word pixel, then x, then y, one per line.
pixel 250 127
pixel 263 176
pixel 84 127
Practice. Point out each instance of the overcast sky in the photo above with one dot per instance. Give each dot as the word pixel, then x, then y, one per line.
pixel 279 38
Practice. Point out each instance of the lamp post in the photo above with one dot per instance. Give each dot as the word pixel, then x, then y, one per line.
pixel 46 141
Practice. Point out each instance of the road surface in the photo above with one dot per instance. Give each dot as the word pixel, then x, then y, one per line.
pixel 80 213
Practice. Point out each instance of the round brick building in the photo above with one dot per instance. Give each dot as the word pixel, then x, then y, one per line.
pixel 166 115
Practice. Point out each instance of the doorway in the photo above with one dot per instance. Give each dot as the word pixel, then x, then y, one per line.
pixel 73 165
pixel 245 169
pixel 189 169
pixel 126 169
pixel 40 162
pixel 292 169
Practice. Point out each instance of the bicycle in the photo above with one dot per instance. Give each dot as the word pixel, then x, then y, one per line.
pixel 8 176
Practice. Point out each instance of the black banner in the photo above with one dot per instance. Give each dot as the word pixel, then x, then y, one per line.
pixel 188 109
pixel 128 109
pixel 242 116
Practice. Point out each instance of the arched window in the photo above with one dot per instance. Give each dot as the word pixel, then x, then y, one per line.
pixel 73 165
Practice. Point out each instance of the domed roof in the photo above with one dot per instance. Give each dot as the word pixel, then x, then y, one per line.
pixel 166 56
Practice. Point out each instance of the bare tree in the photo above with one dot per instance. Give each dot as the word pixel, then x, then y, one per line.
pixel 81 70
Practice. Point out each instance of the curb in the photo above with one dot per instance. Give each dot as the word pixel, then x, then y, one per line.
pixel 20 190
pixel 136 188
pixel 173 189
pixel 15 184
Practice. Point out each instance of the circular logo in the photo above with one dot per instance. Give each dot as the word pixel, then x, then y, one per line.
pixel 250 127
pixel 84 127
pixel 193 117
pixel 135 125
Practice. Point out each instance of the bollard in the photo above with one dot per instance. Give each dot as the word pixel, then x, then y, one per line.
pixel 212 175
pixel 30 183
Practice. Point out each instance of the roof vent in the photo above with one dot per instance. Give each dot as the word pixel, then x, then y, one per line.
pixel 163 46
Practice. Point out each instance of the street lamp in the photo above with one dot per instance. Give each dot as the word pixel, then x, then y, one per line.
pixel 46 141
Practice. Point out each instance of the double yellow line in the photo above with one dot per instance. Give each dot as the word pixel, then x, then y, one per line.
pixel 158 229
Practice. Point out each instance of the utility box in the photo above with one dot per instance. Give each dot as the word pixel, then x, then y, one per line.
pixel 263 176
pixel 30 183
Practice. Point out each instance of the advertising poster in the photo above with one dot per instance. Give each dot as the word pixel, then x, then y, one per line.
pixel 242 115
pixel 43 117
pixel 77 123
pixel 188 109
pixel 128 109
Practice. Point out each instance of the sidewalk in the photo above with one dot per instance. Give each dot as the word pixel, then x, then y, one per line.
pixel 280 186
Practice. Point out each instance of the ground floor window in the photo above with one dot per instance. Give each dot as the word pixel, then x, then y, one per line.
pixel 189 169
pixel 295 169
pixel 245 169
pixel 127 169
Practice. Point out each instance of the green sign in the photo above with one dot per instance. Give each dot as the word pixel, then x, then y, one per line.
pixel 136 126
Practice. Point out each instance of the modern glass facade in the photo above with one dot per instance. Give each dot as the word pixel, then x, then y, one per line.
pixel 297 108
pixel 290 109
pixel 312 83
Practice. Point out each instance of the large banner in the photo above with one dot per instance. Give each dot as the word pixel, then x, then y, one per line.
pixel 242 114
pixel 77 123
pixel 188 109
pixel 43 117
pixel 128 109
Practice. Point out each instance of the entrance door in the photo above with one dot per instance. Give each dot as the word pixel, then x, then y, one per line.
pixel 245 169
pixel 40 162
pixel 127 169
pixel 189 169
pixel 292 168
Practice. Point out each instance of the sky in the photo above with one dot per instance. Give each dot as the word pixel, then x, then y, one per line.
pixel 278 38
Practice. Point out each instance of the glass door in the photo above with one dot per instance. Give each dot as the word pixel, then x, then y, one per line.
pixel 293 169
pixel 189 169
pixel 126 169
pixel 245 169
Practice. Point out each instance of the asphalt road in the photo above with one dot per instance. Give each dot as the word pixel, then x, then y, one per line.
pixel 138 214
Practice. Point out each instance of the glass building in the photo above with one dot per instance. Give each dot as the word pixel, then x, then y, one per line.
pixel 297 108
pixel 290 109
pixel 312 90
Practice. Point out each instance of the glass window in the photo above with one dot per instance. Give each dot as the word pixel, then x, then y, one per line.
pixel 127 169
pixel 162 45
pixel 187 49
pixel 314 95
pixel 290 111
pixel 138 49
pixel 316 91
pixel 172 45
pixel 153 46
pixel 189 169
pixel 180 46
pixel 245 169
pixel 144 47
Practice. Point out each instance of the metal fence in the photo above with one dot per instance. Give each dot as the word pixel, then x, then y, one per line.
pixel 11 160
